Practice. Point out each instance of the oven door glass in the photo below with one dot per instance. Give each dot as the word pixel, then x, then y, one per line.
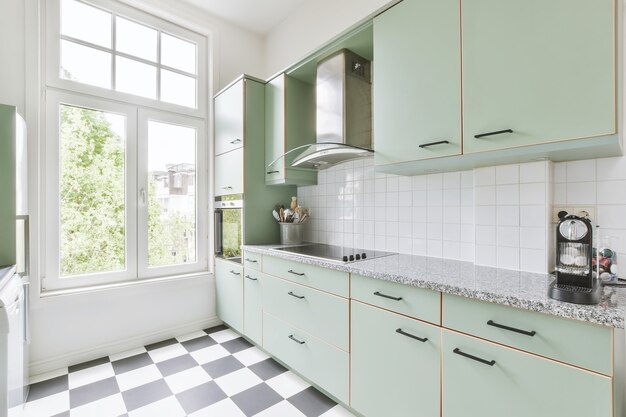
pixel 231 233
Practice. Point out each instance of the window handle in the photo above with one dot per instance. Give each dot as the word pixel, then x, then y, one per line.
pixel 142 193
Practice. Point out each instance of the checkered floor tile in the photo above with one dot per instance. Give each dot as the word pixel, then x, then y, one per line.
pixel 214 373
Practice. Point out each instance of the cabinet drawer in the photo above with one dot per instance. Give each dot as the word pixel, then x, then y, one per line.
pixel 321 314
pixel 543 334
pixel 328 280
pixel 384 360
pixel 252 260
pixel 324 365
pixel 404 299
pixel 516 384
pixel 253 305
pixel 229 293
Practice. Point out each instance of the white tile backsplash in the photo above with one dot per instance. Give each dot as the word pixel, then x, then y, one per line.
pixel 495 216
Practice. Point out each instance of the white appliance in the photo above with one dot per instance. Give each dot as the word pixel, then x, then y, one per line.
pixel 13 340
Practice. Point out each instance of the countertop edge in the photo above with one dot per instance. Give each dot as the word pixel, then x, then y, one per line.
pixel 601 316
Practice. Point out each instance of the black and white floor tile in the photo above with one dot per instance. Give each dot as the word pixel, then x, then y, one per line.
pixel 214 373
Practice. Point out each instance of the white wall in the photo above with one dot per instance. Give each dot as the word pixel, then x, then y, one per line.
pixel 311 25
pixel 72 328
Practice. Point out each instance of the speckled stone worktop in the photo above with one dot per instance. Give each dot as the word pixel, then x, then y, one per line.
pixel 512 288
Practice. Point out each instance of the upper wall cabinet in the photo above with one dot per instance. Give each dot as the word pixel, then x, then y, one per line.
pixel 229 114
pixel 417 81
pixel 536 71
pixel 289 123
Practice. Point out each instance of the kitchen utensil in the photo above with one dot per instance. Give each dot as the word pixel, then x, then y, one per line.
pixel 281 214
pixel 294 203
pixel 575 280
pixel 291 233
pixel 275 214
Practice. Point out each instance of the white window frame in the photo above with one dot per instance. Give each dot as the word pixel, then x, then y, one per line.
pixel 55 99
pixel 138 110
pixel 53 54
pixel 201 186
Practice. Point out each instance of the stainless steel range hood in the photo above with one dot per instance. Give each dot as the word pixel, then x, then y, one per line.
pixel 343 115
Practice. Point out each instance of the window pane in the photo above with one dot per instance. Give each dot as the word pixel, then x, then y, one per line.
pixel 86 23
pixel 171 194
pixel 177 53
pixel 85 65
pixel 135 39
pixel 92 189
pixel 135 77
pixel 178 89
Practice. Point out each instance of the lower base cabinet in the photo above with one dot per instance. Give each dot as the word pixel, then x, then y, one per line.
pixel 316 360
pixel 229 293
pixel 482 379
pixel 253 301
pixel 395 364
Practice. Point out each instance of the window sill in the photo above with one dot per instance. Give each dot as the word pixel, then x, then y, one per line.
pixel 118 285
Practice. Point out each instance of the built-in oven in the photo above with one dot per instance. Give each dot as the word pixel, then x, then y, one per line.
pixel 228 226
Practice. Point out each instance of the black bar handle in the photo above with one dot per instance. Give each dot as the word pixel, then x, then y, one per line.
pixel 296 273
pixel 476 358
pixel 251 279
pixel 300 342
pixel 235 141
pixel 511 329
pixel 294 295
pixel 441 142
pixel 412 336
pixel 272 172
pixel 497 132
pixel 235 273
pixel 378 293
pixel 251 260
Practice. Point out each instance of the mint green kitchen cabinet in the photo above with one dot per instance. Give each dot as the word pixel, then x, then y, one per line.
pixel 484 379
pixel 229 293
pixel 321 314
pixel 546 70
pixel 289 123
pixel 394 364
pixel 229 173
pixel 229 115
pixel 253 305
pixel 417 81
pixel 323 364
pixel 538 333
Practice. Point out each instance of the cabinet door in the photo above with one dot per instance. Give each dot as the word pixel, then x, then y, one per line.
pixel 229 173
pixel 417 81
pixel 229 293
pixel 393 372
pixel 275 128
pixel 253 306
pixel 493 380
pixel 229 114
pixel 544 69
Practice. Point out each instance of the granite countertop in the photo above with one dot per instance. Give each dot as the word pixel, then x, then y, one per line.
pixel 512 288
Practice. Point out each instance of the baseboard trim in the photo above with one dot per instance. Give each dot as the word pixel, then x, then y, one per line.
pixel 84 355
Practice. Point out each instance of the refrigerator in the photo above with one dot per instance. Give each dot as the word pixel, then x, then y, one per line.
pixel 14 256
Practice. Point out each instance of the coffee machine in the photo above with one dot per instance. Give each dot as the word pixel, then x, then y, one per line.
pixel 575 279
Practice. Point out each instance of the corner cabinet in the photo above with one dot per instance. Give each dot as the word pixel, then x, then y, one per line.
pixel 484 379
pixel 543 69
pixel 229 293
pixel 417 81
pixel 289 123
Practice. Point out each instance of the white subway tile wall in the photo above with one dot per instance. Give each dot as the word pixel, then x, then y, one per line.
pixel 495 216
pixel 599 184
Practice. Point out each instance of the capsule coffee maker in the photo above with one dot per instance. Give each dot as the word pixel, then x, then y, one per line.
pixel 575 279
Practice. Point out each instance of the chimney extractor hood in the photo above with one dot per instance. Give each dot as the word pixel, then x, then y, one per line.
pixel 343 113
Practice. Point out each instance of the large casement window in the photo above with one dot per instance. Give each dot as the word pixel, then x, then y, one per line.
pixel 125 146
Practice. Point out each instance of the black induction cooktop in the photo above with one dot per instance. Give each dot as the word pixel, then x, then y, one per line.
pixel 333 253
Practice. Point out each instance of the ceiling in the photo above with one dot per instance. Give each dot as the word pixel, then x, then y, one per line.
pixel 257 16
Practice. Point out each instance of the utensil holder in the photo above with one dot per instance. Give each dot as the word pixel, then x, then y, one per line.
pixel 291 233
